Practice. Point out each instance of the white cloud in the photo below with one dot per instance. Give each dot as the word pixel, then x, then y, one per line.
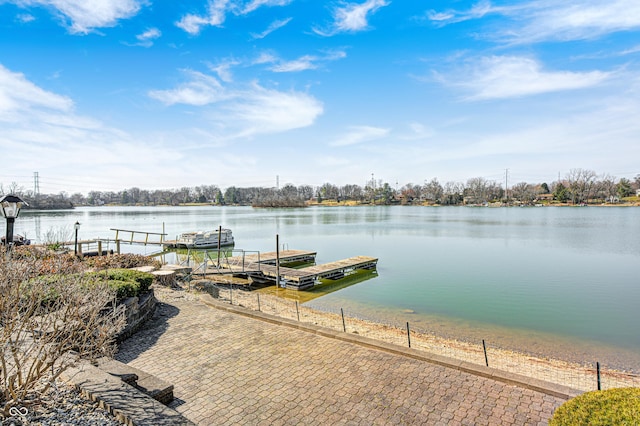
pixel 497 77
pixel 146 38
pixel 541 20
pixel 18 95
pixel 223 69
pixel 240 112
pixel 275 25
pixel 261 110
pixel 42 130
pixel 360 134
pixel 303 63
pixel 352 17
pixel 453 16
pixel 86 16
pixel 631 51
pixel 200 90
pixel 25 18
pixel 418 131
pixel 255 4
pixel 265 58
pixel 218 9
pixel 216 14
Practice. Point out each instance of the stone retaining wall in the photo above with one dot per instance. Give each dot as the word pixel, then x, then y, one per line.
pixel 138 310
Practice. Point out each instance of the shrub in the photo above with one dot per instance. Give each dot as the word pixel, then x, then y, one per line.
pixel 142 280
pixel 121 261
pixel 42 319
pixel 619 406
pixel 124 288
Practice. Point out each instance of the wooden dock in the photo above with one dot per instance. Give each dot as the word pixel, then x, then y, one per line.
pixel 287 257
pixel 262 267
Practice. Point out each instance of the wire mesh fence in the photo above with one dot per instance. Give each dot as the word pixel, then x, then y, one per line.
pixel 585 377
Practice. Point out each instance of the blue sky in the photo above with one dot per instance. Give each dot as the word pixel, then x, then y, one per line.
pixel 111 94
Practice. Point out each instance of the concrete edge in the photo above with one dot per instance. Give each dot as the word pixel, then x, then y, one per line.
pixel 127 404
pixel 519 380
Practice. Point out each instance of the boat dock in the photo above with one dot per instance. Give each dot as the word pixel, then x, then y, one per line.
pixel 271 258
pixel 263 267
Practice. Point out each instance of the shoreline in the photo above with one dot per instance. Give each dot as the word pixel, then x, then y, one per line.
pixel 550 367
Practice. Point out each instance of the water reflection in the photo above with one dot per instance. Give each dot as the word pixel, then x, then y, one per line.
pixel 325 287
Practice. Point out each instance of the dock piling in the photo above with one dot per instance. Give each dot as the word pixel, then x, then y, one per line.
pixel 484 347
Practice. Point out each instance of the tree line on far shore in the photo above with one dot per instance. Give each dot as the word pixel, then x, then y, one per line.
pixel 579 186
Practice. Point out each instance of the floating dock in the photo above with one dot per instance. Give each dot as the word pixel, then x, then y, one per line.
pixel 287 257
pixel 263 267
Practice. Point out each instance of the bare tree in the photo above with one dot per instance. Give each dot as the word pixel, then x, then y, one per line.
pixel 581 184
pixel 523 192
pixel 433 191
pixel 452 193
pixel 45 318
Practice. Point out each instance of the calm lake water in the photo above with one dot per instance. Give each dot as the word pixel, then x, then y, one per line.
pixel 542 280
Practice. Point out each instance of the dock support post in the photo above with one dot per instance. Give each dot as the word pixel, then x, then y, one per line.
pixel 344 326
pixel 408 334
pixel 117 246
pixel 484 347
pixel 99 248
pixel 277 260
pixel 219 238
pixel 598 372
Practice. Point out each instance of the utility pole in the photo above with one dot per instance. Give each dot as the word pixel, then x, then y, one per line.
pixel 506 185
pixel 373 189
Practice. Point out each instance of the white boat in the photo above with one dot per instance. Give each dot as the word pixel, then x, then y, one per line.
pixel 205 239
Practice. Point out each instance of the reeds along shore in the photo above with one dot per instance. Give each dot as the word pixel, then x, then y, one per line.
pixel 573 375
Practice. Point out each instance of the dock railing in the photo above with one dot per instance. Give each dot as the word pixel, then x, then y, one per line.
pixel 133 235
pixel 223 261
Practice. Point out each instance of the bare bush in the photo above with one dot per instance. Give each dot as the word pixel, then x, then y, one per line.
pixel 54 237
pixel 46 320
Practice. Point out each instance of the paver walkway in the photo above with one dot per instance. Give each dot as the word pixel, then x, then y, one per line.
pixel 230 369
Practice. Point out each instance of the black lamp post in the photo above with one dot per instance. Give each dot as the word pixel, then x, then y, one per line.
pixel 77 228
pixel 10 206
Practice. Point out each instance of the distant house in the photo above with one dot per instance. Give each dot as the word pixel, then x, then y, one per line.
pixel 544 197
pixel 637 192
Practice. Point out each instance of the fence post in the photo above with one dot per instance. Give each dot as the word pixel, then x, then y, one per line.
pixel 598 373
pixel 344 326
pixel 408 334
pixel 297 311
pixel 484 347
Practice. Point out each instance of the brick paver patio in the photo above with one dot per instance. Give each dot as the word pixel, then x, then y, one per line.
pixel 229 369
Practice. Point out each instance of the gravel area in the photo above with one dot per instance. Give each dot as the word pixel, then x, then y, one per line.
pixel 61 405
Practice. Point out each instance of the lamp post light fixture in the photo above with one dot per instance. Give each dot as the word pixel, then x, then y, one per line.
pixel 77 228
pixel 10 206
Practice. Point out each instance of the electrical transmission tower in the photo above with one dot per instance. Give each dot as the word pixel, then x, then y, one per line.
pixel 36 185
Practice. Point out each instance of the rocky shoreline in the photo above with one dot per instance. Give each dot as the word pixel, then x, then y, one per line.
pixel 61 404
